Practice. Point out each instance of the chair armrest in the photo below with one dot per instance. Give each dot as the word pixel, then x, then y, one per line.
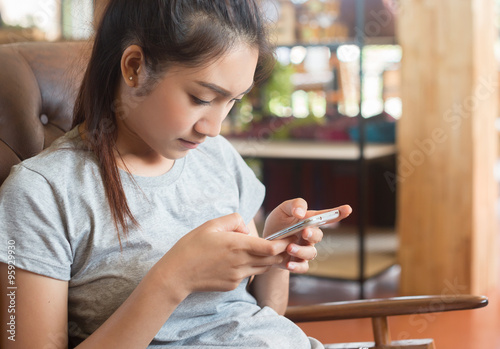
pixel 384 307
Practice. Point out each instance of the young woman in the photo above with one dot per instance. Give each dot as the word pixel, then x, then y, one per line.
pixel 136 228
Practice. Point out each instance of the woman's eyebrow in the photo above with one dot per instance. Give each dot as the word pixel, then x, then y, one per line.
pixel 220 90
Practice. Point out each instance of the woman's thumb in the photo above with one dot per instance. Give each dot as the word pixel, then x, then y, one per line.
pixel 295 208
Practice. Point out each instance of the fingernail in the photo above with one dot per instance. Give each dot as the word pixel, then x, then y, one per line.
pixel 291 266
pixel 309 234
pixel 300 212
pixel 294 249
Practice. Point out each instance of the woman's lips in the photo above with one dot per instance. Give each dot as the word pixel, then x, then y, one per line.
pixel 189 144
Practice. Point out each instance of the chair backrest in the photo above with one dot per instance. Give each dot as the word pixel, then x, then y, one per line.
pixel 39 85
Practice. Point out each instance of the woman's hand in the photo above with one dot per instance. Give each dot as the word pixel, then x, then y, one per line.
pixel 300 249
pixel 218 255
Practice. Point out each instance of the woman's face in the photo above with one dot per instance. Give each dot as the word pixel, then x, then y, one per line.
pixel 185 107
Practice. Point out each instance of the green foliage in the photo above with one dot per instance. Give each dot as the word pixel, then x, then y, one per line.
pixel 276 91
pixel 278 88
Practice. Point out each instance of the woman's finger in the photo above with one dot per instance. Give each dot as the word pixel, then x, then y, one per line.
pixel 294 208
pixel 312 235
pixel 306 253
pixel 344 211
pixel 298 267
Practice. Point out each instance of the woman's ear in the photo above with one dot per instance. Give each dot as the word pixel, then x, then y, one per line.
pixel 131 63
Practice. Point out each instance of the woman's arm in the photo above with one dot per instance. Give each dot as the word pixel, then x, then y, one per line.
pixel 271 288
pixel 216 256
pixel 34 315
pixel 40 317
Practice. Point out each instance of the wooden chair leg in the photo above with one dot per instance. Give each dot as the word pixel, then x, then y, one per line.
pixel 382 337
pixel 381 331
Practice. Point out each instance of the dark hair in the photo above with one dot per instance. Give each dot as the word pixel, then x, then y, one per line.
pixel 187 32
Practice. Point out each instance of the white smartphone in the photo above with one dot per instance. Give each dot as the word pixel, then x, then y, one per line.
pixel 314 221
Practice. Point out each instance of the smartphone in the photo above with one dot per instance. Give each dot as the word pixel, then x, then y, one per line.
pixel 314 221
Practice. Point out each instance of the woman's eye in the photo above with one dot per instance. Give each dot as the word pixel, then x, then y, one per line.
pixel 198 101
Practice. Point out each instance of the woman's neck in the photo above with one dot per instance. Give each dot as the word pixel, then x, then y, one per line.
pixel 145 162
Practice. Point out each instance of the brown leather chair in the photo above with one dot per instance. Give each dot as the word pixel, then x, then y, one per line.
pixel 39 85
pixel 41 81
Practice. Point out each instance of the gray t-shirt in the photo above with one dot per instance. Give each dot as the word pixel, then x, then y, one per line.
pixel 53 206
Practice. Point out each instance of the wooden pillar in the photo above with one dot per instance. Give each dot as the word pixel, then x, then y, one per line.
pixel 447 147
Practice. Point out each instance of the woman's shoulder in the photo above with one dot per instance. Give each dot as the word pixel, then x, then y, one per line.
pixel 65 158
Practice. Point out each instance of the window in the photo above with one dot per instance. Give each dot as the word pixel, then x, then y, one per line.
pixel 27 20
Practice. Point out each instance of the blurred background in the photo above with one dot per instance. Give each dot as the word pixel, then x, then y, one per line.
pixel 327 125
pixel 390 106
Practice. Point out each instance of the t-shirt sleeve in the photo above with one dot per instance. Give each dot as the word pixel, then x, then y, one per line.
pixel 251 190
pixel 32 220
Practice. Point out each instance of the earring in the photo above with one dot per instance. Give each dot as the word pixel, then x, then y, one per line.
pixel 131 78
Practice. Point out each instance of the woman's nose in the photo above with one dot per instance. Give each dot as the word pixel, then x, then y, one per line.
pixel 210 125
